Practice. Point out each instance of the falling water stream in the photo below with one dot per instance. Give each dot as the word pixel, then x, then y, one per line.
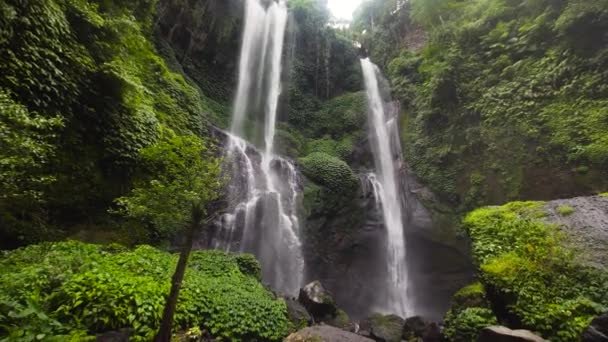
pixel 387 159
pixel 264 188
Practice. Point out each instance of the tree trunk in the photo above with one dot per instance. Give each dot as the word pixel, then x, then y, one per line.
pixel 164 334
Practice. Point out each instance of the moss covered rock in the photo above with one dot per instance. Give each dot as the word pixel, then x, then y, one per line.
pixel 386 328
pixel 539 278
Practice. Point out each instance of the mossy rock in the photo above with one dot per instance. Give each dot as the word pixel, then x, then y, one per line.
pixel 533 271
pixel 329 172
pixel 341 320
pixel 387 328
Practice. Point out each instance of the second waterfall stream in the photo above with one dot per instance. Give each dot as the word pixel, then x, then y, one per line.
pixel 386 148
pixel 264 188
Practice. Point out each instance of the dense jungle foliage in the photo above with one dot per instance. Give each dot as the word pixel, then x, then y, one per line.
pixel 69 291
pixel 107 110
pixel 83 91
pixel 506 99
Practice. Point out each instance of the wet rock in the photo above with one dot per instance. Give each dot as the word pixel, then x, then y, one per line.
pixel 503 334
pixel 597 331
pixel 342 321
pixel 318 301
pixel 418 328
pixel 325 333
pixel 585 225
pixel 386 328
pixel 297 314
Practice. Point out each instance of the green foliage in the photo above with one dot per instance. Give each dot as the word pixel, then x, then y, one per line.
pixel 89 67
pixel 329 172
pixel 27 146
pixel 339 116
pixel 249 265
pixel 503 93
pixel 340 149
pixel 183 175
pixel 66 291
pixel 565 210
pixel 539 280
pixel 605 194
pixel 465 325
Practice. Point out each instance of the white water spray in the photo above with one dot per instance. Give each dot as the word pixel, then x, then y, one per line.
pixel 264 188
pixel 387 152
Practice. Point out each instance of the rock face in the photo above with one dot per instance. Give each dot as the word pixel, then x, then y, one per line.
pixel 597 331
pixel 325 333
pixel 297 314
pixel 387 328
pixel 585 222
pixel 504 334
pixel 318 301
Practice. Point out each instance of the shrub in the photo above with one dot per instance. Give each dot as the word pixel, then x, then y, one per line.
pixel 565 210
pixel 329 172
pixel 464 326
pixel 75 289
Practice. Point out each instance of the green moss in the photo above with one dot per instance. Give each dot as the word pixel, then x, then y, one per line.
pixel 388 327
pixel 329 172
pixel 565 210
pixel 75 287
pixel 538 279
pixel 342 320
pixel 605 194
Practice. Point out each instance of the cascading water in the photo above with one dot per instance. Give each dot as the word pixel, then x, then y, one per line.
pixel 264 188
pixel 384 137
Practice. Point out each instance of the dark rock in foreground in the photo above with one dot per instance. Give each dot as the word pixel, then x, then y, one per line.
pixel 325 333
pixel 387 328
pixel 503 334
pixel 318 301
pixel 418 327
pixel 597 331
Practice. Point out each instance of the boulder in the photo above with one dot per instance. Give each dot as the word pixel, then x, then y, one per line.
pixel 418 327
pixel 297 314
pixel 597 331
pixel 386 328
pixel 325 333
pixel 318 301
pixel 503 334
pixel 342 321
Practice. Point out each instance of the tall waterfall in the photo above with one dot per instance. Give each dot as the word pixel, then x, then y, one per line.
pixel 384 137
pixel 263 188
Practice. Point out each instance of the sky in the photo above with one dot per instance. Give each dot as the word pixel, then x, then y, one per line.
pixel 343 8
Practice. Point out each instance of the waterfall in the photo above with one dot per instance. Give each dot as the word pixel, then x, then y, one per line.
pixel 263 189
pixel 384 137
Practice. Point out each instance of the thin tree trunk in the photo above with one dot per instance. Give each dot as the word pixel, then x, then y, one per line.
pixel 164 334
